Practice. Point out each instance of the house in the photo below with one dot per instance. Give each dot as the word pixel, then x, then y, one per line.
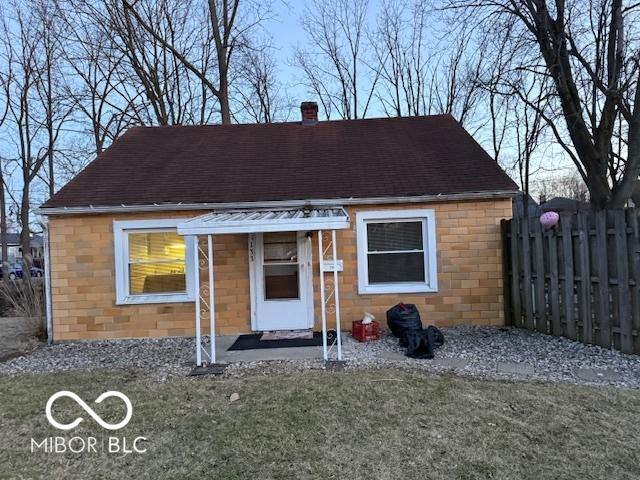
pixel 14 248
pixel 565 205
pixel 296 225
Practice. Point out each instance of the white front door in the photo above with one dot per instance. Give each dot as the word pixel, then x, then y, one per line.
pixel 281 281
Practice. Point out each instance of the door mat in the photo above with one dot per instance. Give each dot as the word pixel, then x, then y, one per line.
pixel 211 369
pixel 287 334
pixel 254 341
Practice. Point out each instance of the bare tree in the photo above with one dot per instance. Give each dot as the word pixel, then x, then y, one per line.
pixel 529 127
pixel 5 81
pixel 565 186
pixel 171 91
pixel 88 51
pixel 498 105
pixel 400 46
pixel 454 87
pixel 36 110
pixel 333 63
pixel 258 90
pixel 590 50
pixel 423 71
pixel 228 26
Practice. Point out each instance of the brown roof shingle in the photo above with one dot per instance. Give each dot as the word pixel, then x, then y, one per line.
pixel 386 157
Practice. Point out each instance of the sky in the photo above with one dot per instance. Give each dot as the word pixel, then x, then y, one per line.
pixel 286 28
pixel 287 32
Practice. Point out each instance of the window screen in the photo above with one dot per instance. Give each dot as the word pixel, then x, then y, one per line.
pixel 156 263
pixel 395 252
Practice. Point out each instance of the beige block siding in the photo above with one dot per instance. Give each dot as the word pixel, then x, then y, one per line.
pixel 231 281
pixel 83 284
pixel 469 257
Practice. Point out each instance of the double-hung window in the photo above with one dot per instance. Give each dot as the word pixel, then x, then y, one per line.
pixel 396 251
pixel 153 264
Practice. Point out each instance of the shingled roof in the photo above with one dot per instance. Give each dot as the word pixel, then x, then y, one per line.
pixel 370 158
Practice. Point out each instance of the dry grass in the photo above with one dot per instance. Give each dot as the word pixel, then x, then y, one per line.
pixel 347 425
pixel 21 300
pixel 19 335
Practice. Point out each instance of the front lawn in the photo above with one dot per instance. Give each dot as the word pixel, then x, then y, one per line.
pixel 345 425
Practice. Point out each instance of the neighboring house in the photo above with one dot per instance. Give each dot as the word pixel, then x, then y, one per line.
pixel 565 205
pixel 14 248
pixel 414 205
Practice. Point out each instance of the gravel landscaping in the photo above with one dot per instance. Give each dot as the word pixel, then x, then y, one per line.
pixel 509 353
pixel 487 352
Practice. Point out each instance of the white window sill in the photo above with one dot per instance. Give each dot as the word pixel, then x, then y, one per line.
pixel 159 298
pixel 396 288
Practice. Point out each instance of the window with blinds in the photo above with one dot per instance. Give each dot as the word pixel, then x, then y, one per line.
pixel 156 263
pixel 396 251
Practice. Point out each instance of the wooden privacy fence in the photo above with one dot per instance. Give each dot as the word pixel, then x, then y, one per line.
pixel 579 279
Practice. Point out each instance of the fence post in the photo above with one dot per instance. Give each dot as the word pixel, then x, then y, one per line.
pixel 604 318
pixel 505 229
pixel 554 287
pixel 624 297
pixel 634 262
pixel 515 273
pixel 567 256
pixel 541 303
pixel 526 271
pixel 584 292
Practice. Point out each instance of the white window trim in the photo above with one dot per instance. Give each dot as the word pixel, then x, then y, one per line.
pixel 121 230
pixel 427 217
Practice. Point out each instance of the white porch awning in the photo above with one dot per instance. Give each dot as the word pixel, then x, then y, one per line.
pixel 260 220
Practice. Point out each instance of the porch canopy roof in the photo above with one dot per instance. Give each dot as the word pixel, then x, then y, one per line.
pixel 264 220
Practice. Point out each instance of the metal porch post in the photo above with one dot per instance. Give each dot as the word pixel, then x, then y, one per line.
pixel 196 286
pixel 336 295
pixel 212 308
pixel 323 307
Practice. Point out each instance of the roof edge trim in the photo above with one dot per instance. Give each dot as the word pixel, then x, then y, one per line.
pixel 260 220
pixel 332 202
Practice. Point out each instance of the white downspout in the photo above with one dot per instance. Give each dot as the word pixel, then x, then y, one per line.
pixel 44 222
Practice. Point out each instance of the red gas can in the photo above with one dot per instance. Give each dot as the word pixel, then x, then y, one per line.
pixel 365 332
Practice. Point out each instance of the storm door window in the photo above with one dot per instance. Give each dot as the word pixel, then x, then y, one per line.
pixel 280 266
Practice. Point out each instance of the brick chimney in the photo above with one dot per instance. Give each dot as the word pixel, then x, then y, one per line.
pixel 309 112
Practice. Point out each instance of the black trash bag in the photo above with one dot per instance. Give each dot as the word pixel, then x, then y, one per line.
pixel 402 318
pixel 438 336
pixel 421 344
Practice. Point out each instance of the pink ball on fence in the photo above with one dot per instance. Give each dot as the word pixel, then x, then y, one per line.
pixel 549 219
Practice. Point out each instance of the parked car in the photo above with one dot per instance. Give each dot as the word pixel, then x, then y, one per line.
pixel 15 271
pixel 37 272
